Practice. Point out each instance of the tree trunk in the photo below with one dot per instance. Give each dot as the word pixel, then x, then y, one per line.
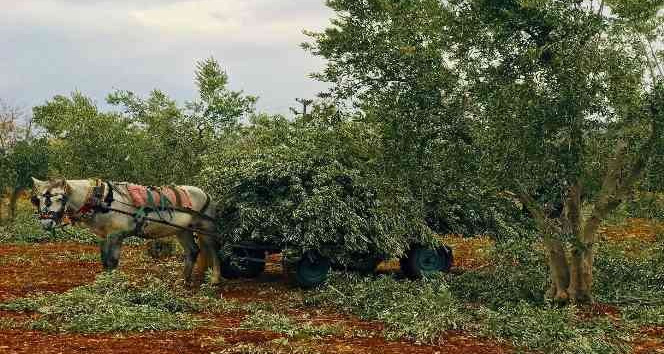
pixel 581 274
pixel 570 269
pixel 560 275
pixel 2 208
pixel 581 258
pixel 13 199
pixel 571 272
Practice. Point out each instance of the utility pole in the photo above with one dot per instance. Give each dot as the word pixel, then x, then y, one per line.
pixel 305 104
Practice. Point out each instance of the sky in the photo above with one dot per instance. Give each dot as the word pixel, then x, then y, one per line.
pixel 51 47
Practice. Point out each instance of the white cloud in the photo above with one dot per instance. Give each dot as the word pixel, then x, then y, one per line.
pixel 54 46
pixel 233 20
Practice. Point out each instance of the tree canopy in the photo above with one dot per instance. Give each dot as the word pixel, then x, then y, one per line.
pixel 555 102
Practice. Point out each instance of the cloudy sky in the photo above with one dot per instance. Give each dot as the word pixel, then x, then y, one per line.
pixel 50 47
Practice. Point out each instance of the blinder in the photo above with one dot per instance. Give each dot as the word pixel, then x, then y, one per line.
pixel 44 213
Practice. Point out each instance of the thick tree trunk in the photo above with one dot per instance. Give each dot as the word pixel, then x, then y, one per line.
pixel 560 276
pixel 581 275
pixel 571 270
pixel 581 258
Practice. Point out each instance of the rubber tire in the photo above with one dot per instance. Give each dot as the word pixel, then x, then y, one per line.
pixel 422 261
pixel 446 253
pixel 308 271
pixel 234 268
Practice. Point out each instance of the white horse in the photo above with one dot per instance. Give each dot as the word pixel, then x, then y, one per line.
pixel 107 209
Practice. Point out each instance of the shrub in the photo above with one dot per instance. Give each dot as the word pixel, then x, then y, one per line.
pixel 297 185
pixel 644 315
pixel 622 277
pixel 518 273
pixel 644 204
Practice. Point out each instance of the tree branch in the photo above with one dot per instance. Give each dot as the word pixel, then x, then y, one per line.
pixel 546 225
pixel 616 183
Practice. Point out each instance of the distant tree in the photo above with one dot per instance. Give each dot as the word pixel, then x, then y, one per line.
pixel 150 140
pixel 217 108
pixel 84 142
pixel 21 155
pixel 306 103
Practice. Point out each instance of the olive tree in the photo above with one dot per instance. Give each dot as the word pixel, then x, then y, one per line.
pixel 21 155
pixel 555 102
pixel 390 61
pixel 571 107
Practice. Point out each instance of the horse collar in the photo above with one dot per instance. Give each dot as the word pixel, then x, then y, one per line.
pixel 98 199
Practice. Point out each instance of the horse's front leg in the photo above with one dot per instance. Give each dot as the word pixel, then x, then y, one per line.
pixel 191 250
pixel 110 249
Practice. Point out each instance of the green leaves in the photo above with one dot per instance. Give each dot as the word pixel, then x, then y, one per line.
pixel 309 186
pixel 219 108
pixel 150 140
pixel 111 303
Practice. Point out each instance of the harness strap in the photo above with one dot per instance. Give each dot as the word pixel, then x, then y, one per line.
pixel 208 199
pixel 110 198
pixel 150 197
pixel 178 196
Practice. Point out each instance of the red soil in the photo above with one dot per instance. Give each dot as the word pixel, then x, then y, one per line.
pixel 632 229
pixel 29 269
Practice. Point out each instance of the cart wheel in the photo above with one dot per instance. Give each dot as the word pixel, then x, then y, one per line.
pixel 446 253
pixel 309 271
pixel 422 261
pixel 238 266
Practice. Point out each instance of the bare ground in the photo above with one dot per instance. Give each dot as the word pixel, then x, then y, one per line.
pixel 39 268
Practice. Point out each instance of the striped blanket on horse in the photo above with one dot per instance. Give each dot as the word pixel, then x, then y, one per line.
pixel 159 197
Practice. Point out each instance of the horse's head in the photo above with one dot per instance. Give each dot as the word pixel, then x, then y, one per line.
pixel 50 198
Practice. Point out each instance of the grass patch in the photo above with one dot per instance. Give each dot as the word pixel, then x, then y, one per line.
pixel 551 329
pixel 9 323
pixel 26 229
pixel 17 260
pixel 644 316
pixel 623 276
pixel 518 272
pixel 113 303
pixel 419 310
pixel 279 323
pixel 277 346
pixel 506 300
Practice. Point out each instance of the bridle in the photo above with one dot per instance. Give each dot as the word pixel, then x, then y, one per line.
pixel 94 202
pixel 46 214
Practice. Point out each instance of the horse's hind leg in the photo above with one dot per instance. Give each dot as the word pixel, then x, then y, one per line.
pixel 186 239
pixel 110 250
pixel 210 248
